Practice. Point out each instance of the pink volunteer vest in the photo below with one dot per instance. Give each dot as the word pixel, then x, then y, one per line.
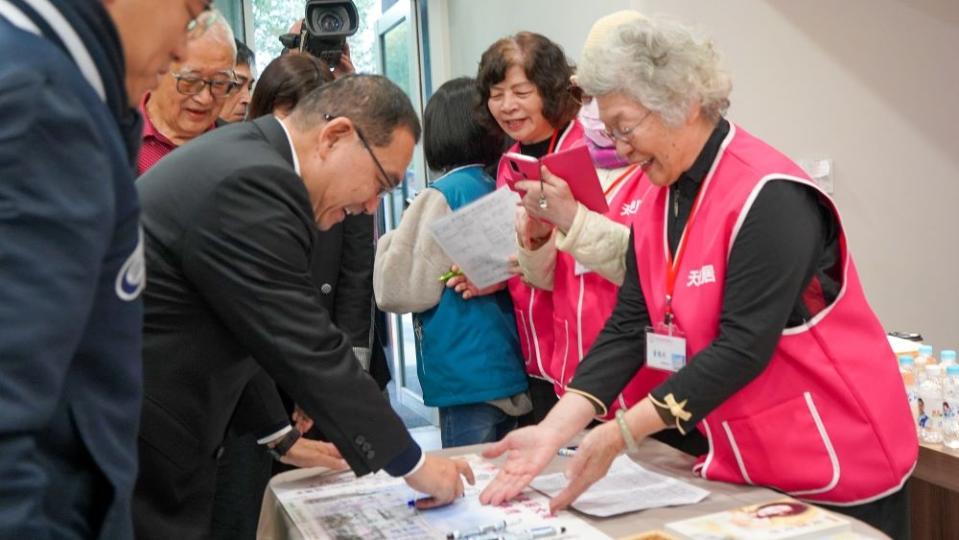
pixel 596 296
pixel 533 307
pixel 827 420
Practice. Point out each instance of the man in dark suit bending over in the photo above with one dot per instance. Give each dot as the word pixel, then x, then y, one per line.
pixel 228 226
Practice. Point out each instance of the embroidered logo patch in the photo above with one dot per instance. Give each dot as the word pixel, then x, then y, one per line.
pixel 630 209
pixel 704 275
pixel 132 276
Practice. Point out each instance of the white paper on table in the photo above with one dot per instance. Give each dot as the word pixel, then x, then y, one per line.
pixel 481 236
pixel 627 487
pixel 374 507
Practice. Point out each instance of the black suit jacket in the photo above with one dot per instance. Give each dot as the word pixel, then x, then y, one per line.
pixel 229 240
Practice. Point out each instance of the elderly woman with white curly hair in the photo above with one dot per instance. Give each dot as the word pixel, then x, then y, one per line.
pixel 740 285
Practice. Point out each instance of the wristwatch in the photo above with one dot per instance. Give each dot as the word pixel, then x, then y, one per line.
pixel 283 446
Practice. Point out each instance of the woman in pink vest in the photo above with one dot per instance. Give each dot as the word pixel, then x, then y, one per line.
pixel 524 85
pixel 739 283
pixel 579 256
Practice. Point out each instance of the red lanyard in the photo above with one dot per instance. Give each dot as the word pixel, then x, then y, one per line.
pixel 672 264
pixel 552 142
pixel 619 179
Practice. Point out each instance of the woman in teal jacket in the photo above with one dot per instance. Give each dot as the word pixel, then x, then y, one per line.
pixel 468 357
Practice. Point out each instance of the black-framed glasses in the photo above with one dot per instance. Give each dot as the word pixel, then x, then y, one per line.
pixel 191 85
pixel 623 135
pixel 387 183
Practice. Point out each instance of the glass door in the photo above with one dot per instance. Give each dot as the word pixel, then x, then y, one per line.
pixel 398 57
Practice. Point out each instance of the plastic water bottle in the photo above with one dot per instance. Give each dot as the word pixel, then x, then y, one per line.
pixel 947 357
pixel 930 406
pixel 925 356
pixel 950 420
pixel 907 369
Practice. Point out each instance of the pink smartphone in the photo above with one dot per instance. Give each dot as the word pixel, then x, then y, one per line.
pixel 576 167
pixel 520 167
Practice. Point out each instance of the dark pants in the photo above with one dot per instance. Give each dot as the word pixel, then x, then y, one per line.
pixel 475 423
pixel 242 475
pixel 543 396
pixel 889 514
pixel 170 501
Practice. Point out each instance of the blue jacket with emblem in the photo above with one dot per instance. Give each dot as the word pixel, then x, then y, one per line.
pixel 469 351
pixel 71 268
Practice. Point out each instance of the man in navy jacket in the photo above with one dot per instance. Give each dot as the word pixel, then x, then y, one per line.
pixel 71 256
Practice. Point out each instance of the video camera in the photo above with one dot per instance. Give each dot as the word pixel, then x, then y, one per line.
pixel 325 28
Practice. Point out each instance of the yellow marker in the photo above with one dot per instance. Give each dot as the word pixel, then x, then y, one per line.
pixel 450 275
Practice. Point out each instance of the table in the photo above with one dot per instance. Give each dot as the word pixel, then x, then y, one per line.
pixel 654 455
pixel 934 493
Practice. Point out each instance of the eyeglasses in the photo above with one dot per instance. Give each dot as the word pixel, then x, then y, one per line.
pixel 623 135
pixel 387 183
pixel 191 85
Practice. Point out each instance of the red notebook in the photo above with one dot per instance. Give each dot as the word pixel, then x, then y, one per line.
pixel 573 165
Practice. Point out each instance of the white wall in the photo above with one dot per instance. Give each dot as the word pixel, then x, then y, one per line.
pixel 872 84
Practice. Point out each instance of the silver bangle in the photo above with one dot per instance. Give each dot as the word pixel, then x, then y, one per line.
pixel 631 446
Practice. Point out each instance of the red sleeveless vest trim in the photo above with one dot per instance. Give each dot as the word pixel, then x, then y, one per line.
pixel 533 308
pixel 574 334
pixel 827 420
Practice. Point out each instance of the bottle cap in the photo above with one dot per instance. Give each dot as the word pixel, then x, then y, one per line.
pixel 952 370
pixel 905 360
pixel 925 350
pixel 947 355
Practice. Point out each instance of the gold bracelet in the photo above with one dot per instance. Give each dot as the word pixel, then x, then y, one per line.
pixel 631 446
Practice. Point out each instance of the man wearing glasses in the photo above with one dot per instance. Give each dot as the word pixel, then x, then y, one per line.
pixel 71 259
pixel 192 94
pixel 229 226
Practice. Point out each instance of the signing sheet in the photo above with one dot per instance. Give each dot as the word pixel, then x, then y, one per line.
pixel 481 236
pixel 375 507
pixel 627 487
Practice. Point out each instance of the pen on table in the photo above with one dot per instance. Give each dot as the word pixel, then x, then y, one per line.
pixel 412 502
pixel 568 451
pixel 449 275
pixel 539 532
pixel 477 531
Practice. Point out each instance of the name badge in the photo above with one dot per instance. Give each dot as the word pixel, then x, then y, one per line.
pixel 665 348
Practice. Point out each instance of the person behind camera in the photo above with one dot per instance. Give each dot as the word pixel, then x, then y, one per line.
pixel 468 358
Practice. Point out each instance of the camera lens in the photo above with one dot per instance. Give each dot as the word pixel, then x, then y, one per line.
pixel 330 22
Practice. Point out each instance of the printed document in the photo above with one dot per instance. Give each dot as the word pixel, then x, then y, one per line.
pixel 375 507
pixel 627 487
pixel 481 236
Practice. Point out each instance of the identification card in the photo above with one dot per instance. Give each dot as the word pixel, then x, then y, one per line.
pixel 665 348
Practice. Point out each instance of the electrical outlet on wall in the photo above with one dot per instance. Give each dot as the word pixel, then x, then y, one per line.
pixel 821 172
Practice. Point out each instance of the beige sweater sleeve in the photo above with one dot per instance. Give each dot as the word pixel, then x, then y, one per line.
pixel 598 243
pixel 409 261
pixel 539 265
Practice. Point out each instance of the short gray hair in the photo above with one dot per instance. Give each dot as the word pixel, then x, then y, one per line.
pixel 213 25
pixel 659 62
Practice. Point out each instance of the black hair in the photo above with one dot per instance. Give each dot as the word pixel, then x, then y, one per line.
pixel 244 55
pixel 545 65
pixel 285 81
pixel 375 104
pixel 452 136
